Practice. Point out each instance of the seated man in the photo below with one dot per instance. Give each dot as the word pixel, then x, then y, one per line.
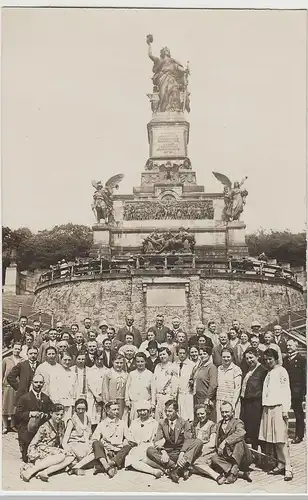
pixel 109 443
pixel 231 451
pixel 32 410
pixel 175 448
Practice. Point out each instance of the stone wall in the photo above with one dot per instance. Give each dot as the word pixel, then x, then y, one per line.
pixel 192 298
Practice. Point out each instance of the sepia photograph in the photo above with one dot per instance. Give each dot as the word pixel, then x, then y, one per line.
pixel 154 250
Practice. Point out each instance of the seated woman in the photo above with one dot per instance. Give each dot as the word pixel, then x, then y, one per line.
pixel 141 435
pixel 76 440
pixel 205 430
pixel 45 451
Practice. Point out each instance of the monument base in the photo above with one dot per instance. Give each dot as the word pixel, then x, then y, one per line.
pixel 101 241
pixel 11 286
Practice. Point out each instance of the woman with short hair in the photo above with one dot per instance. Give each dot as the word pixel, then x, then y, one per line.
pixel 114 383
pixel 229 381
pixel 164 383
pixel 76 440
pixel 8 393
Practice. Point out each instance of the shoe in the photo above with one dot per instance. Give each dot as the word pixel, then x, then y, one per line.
pixel 296 440
pixel 13 429
pixel 158 474
pixel 42 477
pixel 288 475
pixel 221 479
pixel 173 475
pixel 187 472
pixel 277 471
pixel 98 470
pixel 4 430
pixel 231 479
pixel 112 472
pixel 246 477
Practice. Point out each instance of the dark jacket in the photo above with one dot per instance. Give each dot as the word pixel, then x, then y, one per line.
pixel 20 378
pixel 296 369
pixel 136 333
pixel 206 382
pixel 216 354
pixel 254 384
pixel 106 362
pixel 282 343
pixel 235 447
pixel 183 432
pixel 88 362
pixel 26 403
pixel 160 333
pixel 194 341
pixel 151 365
pixel 16 335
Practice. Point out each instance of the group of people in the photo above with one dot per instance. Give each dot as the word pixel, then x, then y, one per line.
pixel 163 403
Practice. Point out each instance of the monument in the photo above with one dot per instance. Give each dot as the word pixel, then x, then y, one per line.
pixel 169 247
pixel 169 199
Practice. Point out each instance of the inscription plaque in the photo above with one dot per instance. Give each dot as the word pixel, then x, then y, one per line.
pixel 168 142
pixel 161 295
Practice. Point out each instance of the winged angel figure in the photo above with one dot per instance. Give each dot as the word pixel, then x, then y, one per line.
pixel 102 205
pixel 235 197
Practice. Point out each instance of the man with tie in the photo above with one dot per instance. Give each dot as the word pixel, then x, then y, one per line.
pixel 295 364
pixel 18 334
pixel 108 354
pixel 87 328
pixel 176 329
pixel 231 452
pixel 129 328
pixel 21 375
pixel 185 396
pixel 281 340
pixel 175 448
pixel 160 329
pixel 31 412
pixel 51 342
pixel 91 353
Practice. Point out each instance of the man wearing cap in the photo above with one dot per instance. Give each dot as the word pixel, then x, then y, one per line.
pixel 175 447
pixel 153 359
pixel 256 330
pixel 160 329
pixel 200 329
pixel 103 326
pixel 129 328
pixel 141 434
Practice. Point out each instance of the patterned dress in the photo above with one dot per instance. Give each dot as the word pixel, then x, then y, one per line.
pixel 164 387
pixel 114 384
pixel 47 441
pixel 228 388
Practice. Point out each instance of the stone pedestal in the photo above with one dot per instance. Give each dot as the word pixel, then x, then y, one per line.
pixel 101 241
pixel 235 239
pixel 11 280
pixel 168 135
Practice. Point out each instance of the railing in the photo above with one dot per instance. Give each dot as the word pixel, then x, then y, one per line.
pixel 210 267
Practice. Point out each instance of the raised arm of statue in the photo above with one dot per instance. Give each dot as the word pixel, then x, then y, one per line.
pixel 149 40
pixel 243 180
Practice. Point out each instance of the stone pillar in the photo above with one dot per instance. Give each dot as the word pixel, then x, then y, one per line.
pixel 168 135
pixel 101 241
pixel 11 280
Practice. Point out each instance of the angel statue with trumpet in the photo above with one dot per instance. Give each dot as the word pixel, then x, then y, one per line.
pixel 170 78
pixel 102 205
pixel 234 197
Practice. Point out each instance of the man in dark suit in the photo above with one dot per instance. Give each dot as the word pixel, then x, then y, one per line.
pixel 91 353
pixel 175 447
pixel 200 329
pixel 232 453
pixel 160 329
pixel 129 328
pixel 32 410
pixel 281 340
pixel 18 334
pixel 152 359
pixel 21 375
pixel 223 343
pixel 295 364
pixel 78 345
pixel 108 355
pixel 51 342
pixel 176 329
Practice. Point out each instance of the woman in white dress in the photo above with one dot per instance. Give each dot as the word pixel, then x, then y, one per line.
pixel 95 386
pixel 142 433
pixel 138 385
pixel 65 381
pixel 229 380
pixel 164 383
pixel 276 403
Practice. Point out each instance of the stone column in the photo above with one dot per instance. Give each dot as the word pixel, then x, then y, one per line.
pixel 101 241
pixel 11 280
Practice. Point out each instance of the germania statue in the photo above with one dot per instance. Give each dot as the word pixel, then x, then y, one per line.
pixel 171 80
pixel 102 204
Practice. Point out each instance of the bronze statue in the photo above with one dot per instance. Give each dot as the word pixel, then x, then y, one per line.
pixel 180 242
pixel 170 78
pixel 234 197
pixel 102 205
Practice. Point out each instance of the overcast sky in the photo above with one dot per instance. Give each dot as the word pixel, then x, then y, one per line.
pixel 74 107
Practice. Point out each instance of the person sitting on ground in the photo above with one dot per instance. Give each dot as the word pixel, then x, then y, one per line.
pixel 205 430
pixel 141 433
pixel 232 454
pixel 175 448
pixel 109 443
pixel 76 440
pixel 45 451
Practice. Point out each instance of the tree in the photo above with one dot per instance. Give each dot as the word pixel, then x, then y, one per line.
pixel 47 247
pixel 284 246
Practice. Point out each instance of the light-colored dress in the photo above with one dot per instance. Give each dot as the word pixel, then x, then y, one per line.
pixel 51 375
pixel 228 388
pixel 65 381
pixel 138 388
pixel 114 384
pixel 164 387
pixel 206 434
pixel 47 441
pixel 142 433
pixel 95 386
pixel 81 386
pixel 276 400
pixel 185 393
pixel 78 443
pixel 8 393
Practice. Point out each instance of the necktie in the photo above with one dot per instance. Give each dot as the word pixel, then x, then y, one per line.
pixel 181 366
